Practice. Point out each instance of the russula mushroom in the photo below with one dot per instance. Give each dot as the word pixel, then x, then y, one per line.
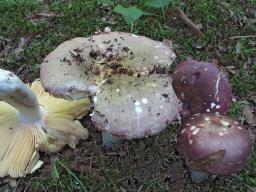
pixel 78 67
pixel 202 88
pixel 213 144
pixel 120 73
pixel 134 107
pixel 30 121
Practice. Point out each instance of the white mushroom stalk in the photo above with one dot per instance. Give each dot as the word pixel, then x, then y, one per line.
pixel 31 121
pixel 14 92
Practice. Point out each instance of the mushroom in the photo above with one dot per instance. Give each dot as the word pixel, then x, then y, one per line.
pixel 134 107
pixel 31 121
pixel 202 88
pixel 213 144
pixel 124 77
pixel 78 67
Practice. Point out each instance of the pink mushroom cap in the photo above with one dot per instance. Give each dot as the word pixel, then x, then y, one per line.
pixel 214 144
pixel 202 87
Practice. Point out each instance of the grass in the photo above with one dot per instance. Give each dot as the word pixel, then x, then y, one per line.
pixel 153 164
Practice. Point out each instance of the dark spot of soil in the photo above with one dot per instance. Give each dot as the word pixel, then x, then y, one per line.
pixel 126 49
pixel 93 54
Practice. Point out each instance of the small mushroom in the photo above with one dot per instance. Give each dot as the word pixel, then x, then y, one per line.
pixel 31 121
pixel 202 88
pixel 213 144
pixel 128 82
pixel 134 107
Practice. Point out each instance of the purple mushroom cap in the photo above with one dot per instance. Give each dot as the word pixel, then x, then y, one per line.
pixel 214 144
pixel 202 87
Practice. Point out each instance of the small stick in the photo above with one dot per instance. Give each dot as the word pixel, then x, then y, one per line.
pixel 243 36
pixel 193 27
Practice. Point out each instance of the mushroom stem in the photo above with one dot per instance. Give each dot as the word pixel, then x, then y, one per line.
pixel 198 176
pixel 110 141
pixel 14 92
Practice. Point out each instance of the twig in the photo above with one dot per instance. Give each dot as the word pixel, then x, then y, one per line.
pixel 250 188
pixel 140 188
pixel 193 27
pixel 243 36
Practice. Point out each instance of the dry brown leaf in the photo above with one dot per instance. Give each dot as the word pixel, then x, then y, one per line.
pixel 253 98
pixel 248 114
pixel 42 17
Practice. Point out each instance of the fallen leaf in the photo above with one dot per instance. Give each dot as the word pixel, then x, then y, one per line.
pixel 231 69
pixel 42 17
pixel 253 98
pixel 207 162
pixel 248 114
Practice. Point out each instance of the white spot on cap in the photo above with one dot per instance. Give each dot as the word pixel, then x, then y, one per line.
pixel 213 105
pixel 210 95
pixel 182 78
pixel 225 123
pixel 138 109
pixel 195 131
pixel 236 122
pixel 208 110
pixel 156 57
pixel 190 141
pixel 206 69
pixel 144 100
pixel 207 119
pixel 157 46
pixel 192 127
pixel 137 103
pixel 182 95
pixel 192 118
pixel 217 106
pixel 183 131
pixel 95 99
pixel 221 134
pixel 239 127
pixel 117 90
pixel 187 124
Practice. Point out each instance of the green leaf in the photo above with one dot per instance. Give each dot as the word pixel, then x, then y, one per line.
pixel 55 173
pixel 130 14
pixel 158 3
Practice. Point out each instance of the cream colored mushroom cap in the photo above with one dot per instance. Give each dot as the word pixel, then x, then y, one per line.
pixel 77 67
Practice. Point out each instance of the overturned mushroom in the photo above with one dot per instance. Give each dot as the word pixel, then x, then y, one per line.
pixel 202 88
pixel 30 121
pixel 128 80
pixel 213 144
